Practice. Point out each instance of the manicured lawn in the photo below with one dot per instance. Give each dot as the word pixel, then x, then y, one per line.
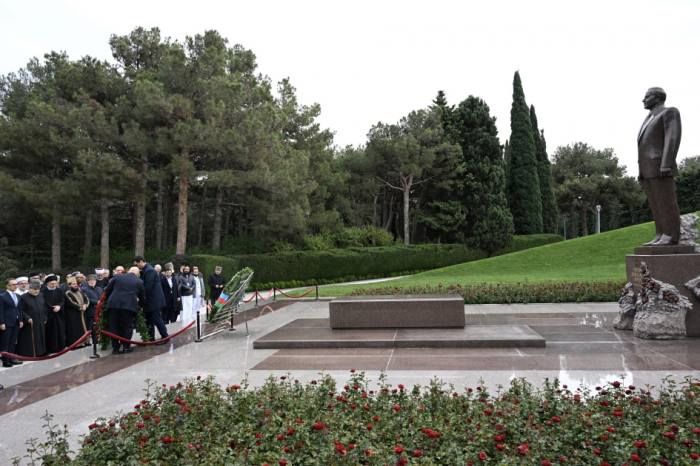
pixel 592 258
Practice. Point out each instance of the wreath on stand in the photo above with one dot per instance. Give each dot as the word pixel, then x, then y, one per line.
pixel 102 321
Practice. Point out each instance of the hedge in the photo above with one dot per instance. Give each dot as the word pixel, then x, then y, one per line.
pixel 336 265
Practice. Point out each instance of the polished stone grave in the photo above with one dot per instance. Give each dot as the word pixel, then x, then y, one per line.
pixel 479 332
pixel 397 311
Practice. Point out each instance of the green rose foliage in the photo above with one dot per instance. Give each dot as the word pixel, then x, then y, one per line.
pixel 285 422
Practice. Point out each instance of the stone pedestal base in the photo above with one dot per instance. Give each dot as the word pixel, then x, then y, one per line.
pixel 397 311
pixel 675 269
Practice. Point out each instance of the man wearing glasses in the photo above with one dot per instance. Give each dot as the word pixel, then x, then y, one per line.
pixel 10 321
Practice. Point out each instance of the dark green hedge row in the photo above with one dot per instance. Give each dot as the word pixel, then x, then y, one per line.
pixel 308 267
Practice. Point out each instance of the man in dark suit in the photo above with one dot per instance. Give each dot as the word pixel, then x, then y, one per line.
pixel 11 320
pixel 658 141
pixel 125 294
pixel 155 301
pixel 169 284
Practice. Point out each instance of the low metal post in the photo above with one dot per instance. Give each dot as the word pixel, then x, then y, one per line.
pixel 256 297
pixel 316 292
pixel 206 307
pixel 232 328
pixel 94 354
pixel 199 334
pixel 274 292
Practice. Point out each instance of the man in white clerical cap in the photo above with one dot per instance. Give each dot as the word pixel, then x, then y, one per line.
pixel 102 280
pixel 22 285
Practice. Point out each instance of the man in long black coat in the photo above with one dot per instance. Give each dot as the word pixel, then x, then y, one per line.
pixel 54 299
pixel 11 321
pixel 169 284
pixel 217 281
pixel 76 305
pixel 125 294
pixel 155 301
pixel 32 337
pixel 93 293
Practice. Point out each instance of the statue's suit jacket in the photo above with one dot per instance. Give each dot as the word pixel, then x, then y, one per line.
pixel 658 142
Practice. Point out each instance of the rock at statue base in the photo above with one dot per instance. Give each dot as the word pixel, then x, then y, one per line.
pixel 689 231
pixel 694 286
pixel 661 310
pixel 625 316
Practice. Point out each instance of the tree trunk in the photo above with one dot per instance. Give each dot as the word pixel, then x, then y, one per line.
pixel 168 212
pixel 159 208
pixel 88 235
pixel 182 217
pixel 55 245
pixel 240 221
pixel 374 211
pixel 216 233
pixel 385 215
pixel 201 215
pixel 390 215
pixel 227 220
pixel 584 221
pixel 104 242
pixel 406 198
pixel 572 227
pixel 140 212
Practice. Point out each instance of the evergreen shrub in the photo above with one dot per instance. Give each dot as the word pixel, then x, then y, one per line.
pixel 337 265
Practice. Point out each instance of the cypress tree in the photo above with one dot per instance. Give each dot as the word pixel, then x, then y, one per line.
pixel 523 187
pixel 489 223
pixel 544 173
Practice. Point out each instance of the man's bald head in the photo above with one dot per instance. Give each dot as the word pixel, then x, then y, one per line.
pixel 135 271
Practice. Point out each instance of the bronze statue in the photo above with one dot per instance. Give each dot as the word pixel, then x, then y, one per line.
pixel 658 141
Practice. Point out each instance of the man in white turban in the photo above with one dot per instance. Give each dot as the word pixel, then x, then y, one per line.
pixel 22 285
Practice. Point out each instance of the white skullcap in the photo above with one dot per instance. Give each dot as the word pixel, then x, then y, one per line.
pixel 22 279
pixel 100 271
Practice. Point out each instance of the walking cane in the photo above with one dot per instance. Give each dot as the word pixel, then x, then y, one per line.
pixel 33 344
pixel 199 334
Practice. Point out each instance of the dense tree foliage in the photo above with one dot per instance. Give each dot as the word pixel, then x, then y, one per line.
pixel 522 184
pixel 544 175
pixel 585 177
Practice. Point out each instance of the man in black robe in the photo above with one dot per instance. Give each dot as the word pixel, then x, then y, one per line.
pixel 216 285
pixel 102 278
pixel 76 305
pixel 54 299
pixel 32 337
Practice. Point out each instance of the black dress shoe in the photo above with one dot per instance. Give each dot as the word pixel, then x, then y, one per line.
pixel 1 387
pixel 162 343
pixel 7 364
pixel 16 362
pixel 128 350
pixel 115 351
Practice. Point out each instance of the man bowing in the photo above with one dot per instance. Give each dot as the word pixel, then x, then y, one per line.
pixel 125 295
pixel 155 300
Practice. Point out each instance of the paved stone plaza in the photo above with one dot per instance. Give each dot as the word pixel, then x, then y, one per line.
pixel 581 347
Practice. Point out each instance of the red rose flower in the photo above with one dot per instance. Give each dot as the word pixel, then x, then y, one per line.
pixel 283 463
pixel 524 449
pixel 500 447
pixel 640 444
pixel 546 463
pixel 287 450
pixel 694 456
pixel 369 427
pixel 482 456
pixel 398 450
pixel 417 454
pixel 597 452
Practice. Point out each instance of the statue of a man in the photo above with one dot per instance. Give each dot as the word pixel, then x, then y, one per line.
pixel 658 141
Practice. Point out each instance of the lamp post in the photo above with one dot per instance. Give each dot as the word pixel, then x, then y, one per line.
pixel 597 227
pixel 564 217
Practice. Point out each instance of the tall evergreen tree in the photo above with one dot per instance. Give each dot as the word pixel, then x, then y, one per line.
pixel 489 223
pixel 523 186
pixel 544 173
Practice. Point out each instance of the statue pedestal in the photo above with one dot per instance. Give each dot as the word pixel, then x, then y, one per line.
pixel 674 268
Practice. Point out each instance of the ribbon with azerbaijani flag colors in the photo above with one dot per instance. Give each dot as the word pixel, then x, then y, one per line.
pixel 221 301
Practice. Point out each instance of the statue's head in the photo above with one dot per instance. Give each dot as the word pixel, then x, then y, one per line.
pixel 653 97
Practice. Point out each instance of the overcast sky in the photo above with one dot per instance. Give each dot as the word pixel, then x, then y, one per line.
pixel 585 66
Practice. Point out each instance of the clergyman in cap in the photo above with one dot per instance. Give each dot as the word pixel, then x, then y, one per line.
pixel 93 293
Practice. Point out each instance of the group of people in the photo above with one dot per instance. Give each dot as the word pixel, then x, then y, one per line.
pixel 40 317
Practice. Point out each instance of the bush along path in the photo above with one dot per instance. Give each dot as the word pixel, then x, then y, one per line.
pixel 498 293
pixel 287 423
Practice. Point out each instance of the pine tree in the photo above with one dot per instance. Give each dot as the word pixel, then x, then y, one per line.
pixel 523 187
pixel 544 172
pixel 489 223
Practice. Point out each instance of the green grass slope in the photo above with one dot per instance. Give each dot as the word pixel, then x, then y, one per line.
pixel 592 258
